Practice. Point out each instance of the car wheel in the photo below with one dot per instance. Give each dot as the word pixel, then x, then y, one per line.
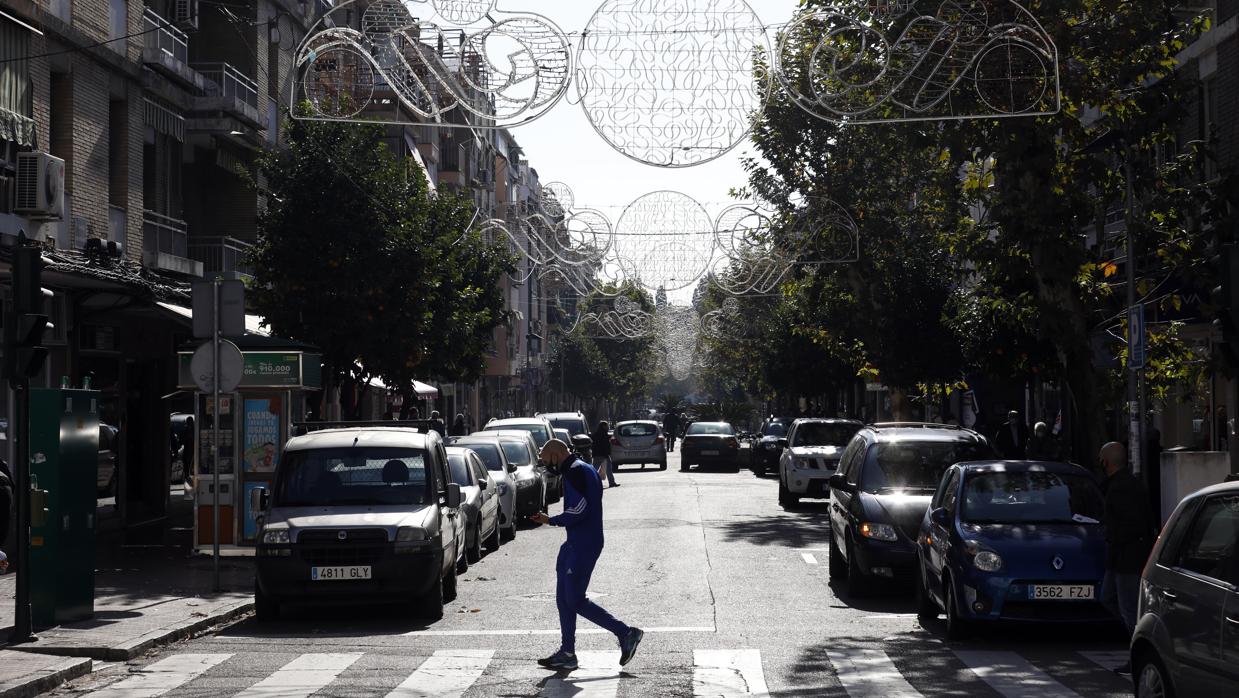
pixel 430 604
pixel 449 586
pixel 473 553
pixel 493 541
pixel 662 465
pixel 462 560
pixel 684 466
pixel 858 581
pixel 837 569
pixel 957 626
pixel 266 609
pixel 1150 677
pixel 926 607
pixel 786 498
pixel 509 534
pixel 759 470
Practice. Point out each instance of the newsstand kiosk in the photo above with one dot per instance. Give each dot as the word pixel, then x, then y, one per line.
pixel 255 421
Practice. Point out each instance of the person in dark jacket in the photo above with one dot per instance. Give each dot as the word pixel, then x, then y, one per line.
pixel 602 453
pixel 437 425
pixel 1043 445
pixel 582 518
pixel 671 429
pixel 459 428
pixel 1129 536
pixel 1012 437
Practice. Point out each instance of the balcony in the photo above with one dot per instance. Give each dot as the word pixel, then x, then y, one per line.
pixel 229 91
pixel 221 254
pixel 165 245
pixel 166 51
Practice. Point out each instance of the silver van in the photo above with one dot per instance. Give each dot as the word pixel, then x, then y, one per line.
pixel 359 515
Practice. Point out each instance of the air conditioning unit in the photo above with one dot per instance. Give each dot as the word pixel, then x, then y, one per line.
pixel 40 186
pixel 186 13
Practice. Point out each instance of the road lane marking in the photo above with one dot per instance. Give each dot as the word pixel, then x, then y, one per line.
pixel 1108 659
pixel 583 631
pixel 446 674
pixel 868 673
pixel 728 674
pixel 598 676
pixel 303 676
pixel 1013 676
pixel 163 676
pixel 808 558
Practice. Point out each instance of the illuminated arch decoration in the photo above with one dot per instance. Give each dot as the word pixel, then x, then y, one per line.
pixel 918 60
pixel 670 83
pixel 450 63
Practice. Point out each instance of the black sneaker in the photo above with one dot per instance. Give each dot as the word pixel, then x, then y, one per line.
pixel 1124 671
pixel 628 645
pixel 560 661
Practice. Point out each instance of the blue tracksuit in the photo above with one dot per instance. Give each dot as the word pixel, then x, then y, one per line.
pixel 583 518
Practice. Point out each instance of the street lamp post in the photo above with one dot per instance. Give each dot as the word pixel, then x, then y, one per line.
pixel 1135 377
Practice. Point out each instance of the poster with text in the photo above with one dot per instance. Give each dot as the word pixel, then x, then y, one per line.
pixel 249 526
pixel 262 434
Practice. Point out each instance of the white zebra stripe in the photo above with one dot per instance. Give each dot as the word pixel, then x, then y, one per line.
pixel 598 676
pixel 1013 676
pixel 446 674
pixel 163 676
pixel 870 673
pixel 728 674
pixel 303 676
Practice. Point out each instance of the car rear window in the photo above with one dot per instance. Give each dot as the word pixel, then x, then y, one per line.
pixel 517 452
pixel 352 476
pixel 459 466
pixel 637 430
pixel 710 428
pixel 573 425
pixel 1210 546
pixel 775 429
pixel 1031 497
pixel 914 465
pixel 489 453
pixel 541 433
pixel 825 434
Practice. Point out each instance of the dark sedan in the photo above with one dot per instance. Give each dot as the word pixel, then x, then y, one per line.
pixel 769 445
pixel 1013 540
pixel 710 444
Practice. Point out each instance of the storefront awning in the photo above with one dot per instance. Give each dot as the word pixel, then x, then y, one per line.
pixel 423 390
pixel 253 323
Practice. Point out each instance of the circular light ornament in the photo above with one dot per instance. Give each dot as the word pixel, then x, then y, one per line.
pixel 668 238
pixel 671 83
pixel 463 12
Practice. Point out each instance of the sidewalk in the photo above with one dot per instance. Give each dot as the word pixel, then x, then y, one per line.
pixel 143 598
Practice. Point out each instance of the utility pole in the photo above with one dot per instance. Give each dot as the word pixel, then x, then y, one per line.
pixel 1135 375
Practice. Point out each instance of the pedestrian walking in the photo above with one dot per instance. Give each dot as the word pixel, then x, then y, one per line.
pixel 459 428
pixel 1043 445
pixel 671 429
pixel 574 565
pixel 1012 437
pixel 602 453
pixel 1129 528
pixel 437 425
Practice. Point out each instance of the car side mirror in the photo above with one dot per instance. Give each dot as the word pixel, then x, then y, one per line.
pixel 453 495
pixel 260 499
pixel 840 482
pixel 482 484
pixel 511 468
pixel 782 443
pixel 940 517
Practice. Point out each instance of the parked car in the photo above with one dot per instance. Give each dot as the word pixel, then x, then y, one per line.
pixel 768 445
pixel 1012 541
pixel 886 479
pixel 359 515
pixel 1187 633
pixel 710 444
pixel 541 429
pixel 106 477
pixel 479 501
pixel 577 427
pixel 638 443
pixel 532 492
pixel 488 449
pixel 810 456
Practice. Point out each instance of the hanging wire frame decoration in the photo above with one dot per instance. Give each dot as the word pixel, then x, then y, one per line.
pixel 459 64
pixel 917 60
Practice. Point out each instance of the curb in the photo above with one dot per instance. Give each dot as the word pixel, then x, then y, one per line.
pixel 47 679
pixel 136 647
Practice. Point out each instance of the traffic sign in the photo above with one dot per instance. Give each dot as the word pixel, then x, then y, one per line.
pixel 231 367
pixel 1136 340
pixel 231 308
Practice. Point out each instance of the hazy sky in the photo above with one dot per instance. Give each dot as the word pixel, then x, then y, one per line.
pixel 563 146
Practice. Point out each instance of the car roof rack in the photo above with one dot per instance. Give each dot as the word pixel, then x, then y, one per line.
pixel 918 425
pixel 420 425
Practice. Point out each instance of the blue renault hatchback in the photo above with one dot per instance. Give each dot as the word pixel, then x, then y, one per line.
pixel 1012 540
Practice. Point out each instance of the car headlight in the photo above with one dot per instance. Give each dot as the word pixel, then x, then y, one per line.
pixel 411 534
pixel 525 484
pixel 275 536
pixel 879 531
pixel 769 446
pixel 987 561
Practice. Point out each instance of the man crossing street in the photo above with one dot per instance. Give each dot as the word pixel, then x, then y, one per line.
pixel 582 518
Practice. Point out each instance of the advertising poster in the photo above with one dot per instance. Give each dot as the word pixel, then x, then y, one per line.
pixel 249 525
pixel 262 434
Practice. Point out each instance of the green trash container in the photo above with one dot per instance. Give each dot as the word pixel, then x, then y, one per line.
pixel 64 463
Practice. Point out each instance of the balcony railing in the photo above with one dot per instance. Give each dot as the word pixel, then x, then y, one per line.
pixel 221 254
pixel 160 34
pixel 223 80
pixel 163 234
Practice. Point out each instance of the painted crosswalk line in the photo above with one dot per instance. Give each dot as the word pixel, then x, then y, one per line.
pixel 303 676
pixel 446 674
pixel 162 676
pixel 869 673
pixel 728 674
pixel 597 677
pixel 1012 676
pixel 1108 660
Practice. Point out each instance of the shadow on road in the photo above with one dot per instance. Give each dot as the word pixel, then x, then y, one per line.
pixel 793 529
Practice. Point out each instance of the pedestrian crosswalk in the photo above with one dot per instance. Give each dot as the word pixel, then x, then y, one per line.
pixel 851 671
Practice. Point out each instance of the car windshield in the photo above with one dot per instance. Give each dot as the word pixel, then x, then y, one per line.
pixel 633 430
pixel 517 452
pixel 539 431
pixel 574 425
pixel 710 428
pixel 1031 497
pixel 459 466
pixel 825 434
pixel 352 476
pixel 489 453
pixel 914 465
pixel 775 429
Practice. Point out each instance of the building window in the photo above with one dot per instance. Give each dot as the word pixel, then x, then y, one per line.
pixel 16 95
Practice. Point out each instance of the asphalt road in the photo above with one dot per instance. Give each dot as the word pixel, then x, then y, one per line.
pixel 732 591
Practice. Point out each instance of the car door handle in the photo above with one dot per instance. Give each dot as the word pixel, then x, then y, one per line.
pixel 1169 595
pixel 1232 621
